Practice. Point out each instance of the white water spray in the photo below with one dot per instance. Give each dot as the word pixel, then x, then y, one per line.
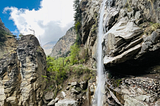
pixel 100 86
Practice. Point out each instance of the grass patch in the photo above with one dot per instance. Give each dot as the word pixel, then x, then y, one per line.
pixel 152 27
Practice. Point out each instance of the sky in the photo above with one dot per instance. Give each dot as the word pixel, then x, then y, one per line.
pixel 47 19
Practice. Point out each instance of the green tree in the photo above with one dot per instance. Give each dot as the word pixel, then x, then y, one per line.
pixel 77 19
pixel 77 15
pixel 56 68
pixel 74 53
pixel 20 35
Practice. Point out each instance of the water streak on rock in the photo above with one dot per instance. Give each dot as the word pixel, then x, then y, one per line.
pixel 99 56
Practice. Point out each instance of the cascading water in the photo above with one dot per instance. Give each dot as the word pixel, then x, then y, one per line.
pixel 101 80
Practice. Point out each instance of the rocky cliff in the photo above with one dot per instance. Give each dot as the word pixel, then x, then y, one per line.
pixel 22 65
pixel 48 47
pixel 131 49
pixel 63 45
pixel 2 27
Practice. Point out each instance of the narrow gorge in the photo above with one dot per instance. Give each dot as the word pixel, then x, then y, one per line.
pixel 127 55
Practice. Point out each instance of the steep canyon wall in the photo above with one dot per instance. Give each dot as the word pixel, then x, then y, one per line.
pixel 131 48
pixel 21 68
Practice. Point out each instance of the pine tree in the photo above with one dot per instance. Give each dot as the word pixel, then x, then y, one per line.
pixel 77 15
pixel 77 19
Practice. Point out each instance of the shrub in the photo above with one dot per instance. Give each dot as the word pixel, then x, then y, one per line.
pixel 74 55
pixel 56 69
pixel 77 26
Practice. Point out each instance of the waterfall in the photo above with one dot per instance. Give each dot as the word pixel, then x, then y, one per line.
pixel 100 67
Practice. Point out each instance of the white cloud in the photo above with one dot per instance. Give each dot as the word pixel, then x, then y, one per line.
pixel 15 31
pixel 50 22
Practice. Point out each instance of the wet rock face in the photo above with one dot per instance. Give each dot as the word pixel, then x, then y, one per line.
pixel 21 73
pixel 131 48
pixel 125 20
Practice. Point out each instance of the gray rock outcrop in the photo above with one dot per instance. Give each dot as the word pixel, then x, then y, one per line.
pixel 66 102
pixel 131 48
pixel 129 38
pixel 63 45
pixel 21 70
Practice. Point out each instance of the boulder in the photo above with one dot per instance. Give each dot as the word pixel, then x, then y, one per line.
pixel 52 102
pixel 49 96
pixel 129 101
pixel 151 43
pixel 110 18
pixel 66 102
pixel 120 42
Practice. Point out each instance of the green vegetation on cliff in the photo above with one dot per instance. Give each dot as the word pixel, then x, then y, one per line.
pixel 77 19
pixel 3 34
pixel 150 27
pixel 2 37
pixel 74 54
pixel 57 69
pixel 62 68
